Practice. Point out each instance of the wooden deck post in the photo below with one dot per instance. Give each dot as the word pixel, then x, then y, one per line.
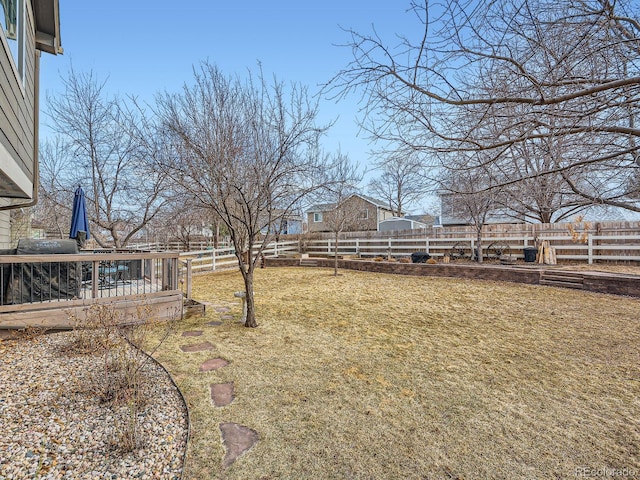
pixel 189 278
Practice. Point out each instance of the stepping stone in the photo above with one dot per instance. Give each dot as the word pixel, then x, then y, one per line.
pixel 213 364
pixel 214 324
pixel 198 347
pixel 226 317
pixel 222 309
pixel 237 440
pixel 222 394
pixel 192 333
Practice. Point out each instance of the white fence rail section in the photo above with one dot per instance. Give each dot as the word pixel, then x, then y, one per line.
pixel 597 247
pixel 176 246
pixel 224 258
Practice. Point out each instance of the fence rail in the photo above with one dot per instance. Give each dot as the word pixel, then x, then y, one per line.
pixel 612 248
pixel 224 258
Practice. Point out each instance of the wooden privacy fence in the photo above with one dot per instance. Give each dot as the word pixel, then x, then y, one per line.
pixel 500 230
pixel 596 248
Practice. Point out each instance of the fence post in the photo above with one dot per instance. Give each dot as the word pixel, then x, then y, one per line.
pixel 427 244
pixel 275 248
pixel 590 248
pixel 213 259
pixel 328 246
pixel 358 246
pixel 189 278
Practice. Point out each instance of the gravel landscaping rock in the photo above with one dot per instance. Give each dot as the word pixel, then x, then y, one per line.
pixel 53 426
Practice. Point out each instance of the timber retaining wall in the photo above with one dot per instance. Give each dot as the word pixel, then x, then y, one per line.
pixel 611 283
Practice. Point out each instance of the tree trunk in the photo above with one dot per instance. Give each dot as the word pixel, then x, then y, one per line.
pixel 479 245
pixel 335 256
pixel 248 288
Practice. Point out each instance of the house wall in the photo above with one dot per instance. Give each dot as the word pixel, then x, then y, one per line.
pixel 366 213
pixel 384 214
pixel 314 226
pixel 5 229
pixel 17 115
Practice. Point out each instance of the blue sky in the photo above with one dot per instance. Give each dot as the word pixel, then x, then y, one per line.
pixel 143 47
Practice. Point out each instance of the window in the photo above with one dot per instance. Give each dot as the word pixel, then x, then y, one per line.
pixel 317 217
pixel 364 214
pixel 12 22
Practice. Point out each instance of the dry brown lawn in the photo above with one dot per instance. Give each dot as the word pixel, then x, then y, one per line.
pixel 370 376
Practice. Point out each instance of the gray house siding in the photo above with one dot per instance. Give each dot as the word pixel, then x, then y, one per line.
pixel 19 90
pixel 17 116
pixel 5 231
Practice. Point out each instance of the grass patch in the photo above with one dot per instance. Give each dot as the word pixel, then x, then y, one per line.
pixel 381 376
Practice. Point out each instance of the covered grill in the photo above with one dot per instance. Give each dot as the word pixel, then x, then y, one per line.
pixel 41 281
pixel 420 257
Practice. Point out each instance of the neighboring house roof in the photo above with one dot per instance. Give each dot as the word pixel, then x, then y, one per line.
pixel 375 201
pixel 325 207
pixel 423 218
pixel 321 207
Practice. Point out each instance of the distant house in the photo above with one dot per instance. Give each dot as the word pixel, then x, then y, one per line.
pixel 27 28
pixel 408 222
pixel 289 224
pixel 369 212
pixel 452 213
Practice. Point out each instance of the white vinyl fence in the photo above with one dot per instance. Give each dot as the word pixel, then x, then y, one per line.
pixel 225 258
pixel 612 248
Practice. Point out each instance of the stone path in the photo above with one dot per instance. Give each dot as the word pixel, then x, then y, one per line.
pixel 222 394
pixel 193 333
pixel 213 364
pixel 198 347
pixel 237 439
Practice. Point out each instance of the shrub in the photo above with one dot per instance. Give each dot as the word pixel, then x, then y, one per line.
pixel 120 380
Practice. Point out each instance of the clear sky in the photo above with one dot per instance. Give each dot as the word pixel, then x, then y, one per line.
pixel 143 47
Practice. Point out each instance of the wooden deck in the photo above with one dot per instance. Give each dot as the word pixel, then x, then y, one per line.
pixel 56 291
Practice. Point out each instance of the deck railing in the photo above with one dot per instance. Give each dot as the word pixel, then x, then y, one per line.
pixel 58 278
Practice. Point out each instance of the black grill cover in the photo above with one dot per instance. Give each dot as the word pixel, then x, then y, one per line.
pixel 37 282
pixel 420 257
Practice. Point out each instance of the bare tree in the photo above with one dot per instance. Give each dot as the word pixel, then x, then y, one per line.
pixel 343 211
pixel 540 196
pixel 471 196
pixel 245 149
pixel 108 147
pixel 533 70
pixel 402 181
pixel 54 203
pixel 184 221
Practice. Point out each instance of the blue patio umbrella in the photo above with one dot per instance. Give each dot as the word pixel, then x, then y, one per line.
pixel 79 220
